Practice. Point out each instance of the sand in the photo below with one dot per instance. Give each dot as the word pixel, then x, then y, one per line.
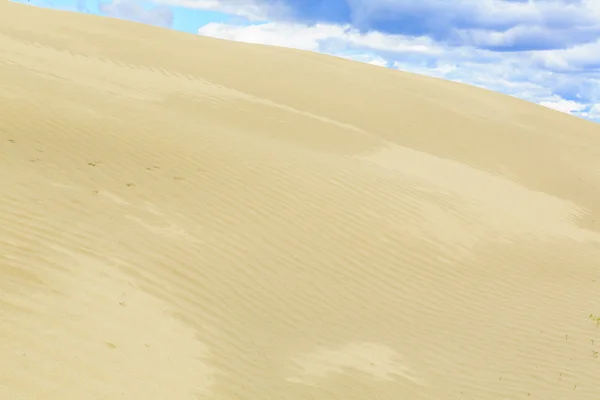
pixel 189 218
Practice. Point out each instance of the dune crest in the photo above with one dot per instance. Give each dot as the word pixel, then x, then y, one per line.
pixel 190 218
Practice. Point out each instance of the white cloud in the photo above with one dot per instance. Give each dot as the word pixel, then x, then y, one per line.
pixel 369 59
pixel 318 37
pixel 594 112
pixel 391 43
pixel 577 58
pixel 482 16
pixel 335 40
pixel 566 106
pixel 276 34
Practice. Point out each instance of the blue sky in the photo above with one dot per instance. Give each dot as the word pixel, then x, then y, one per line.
pixel 544 51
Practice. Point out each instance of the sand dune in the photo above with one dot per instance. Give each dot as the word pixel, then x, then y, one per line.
pixel 189 218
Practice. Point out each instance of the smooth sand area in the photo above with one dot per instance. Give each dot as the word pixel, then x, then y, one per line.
pixel 189 218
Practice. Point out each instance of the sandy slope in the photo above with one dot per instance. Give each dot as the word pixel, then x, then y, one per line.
pixel 188 218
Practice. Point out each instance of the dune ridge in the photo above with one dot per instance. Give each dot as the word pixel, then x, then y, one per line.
pixel 189 218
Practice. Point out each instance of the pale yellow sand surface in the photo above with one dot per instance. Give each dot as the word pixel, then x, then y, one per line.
pixel 189 218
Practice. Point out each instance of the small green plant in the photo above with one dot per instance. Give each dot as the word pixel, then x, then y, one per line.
pixel 595 319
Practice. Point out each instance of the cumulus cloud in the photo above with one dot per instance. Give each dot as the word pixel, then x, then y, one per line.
pixel 581 58
pixel 594 112
pixel 286 35
pixel 500 25
pixel 566 106
pixel 495 24
pixel 318 37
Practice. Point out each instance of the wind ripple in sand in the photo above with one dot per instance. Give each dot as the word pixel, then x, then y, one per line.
pixel 372 359
pixel 172 226
pixel 498 205
pixel 117 335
